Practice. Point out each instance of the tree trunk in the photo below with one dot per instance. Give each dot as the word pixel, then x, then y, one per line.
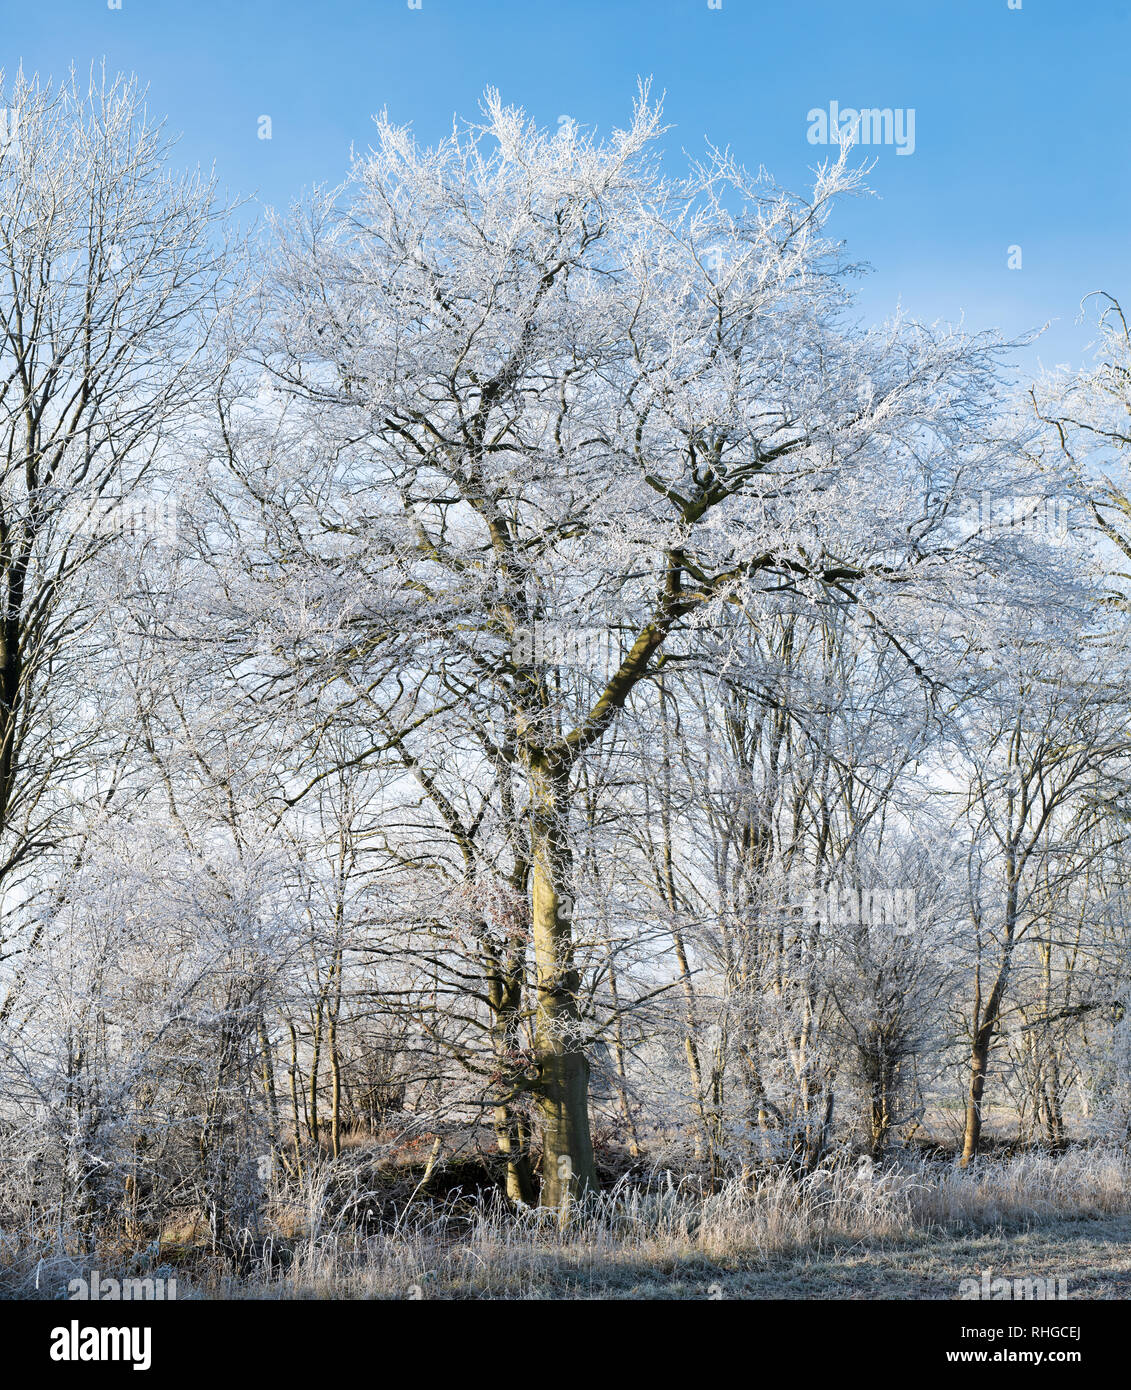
pixel 619 1057
pixel 514 1144
pixel 986 1025
pixel 294 1099
pixel 563 1069
pixel 979 1057
pixel 979 1061
pixel 504 992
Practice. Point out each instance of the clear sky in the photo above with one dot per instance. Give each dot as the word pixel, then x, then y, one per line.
pixel 1022 131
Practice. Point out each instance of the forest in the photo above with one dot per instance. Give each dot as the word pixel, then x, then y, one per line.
pixel 530 737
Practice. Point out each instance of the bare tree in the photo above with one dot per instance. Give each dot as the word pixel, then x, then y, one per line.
pixel 113 276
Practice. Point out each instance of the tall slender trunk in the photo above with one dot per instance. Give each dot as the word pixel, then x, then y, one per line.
pixel 267 1077
pixel 295 1120
pixel 315 1061
pixel 982 1041
pixel 336 1088
pixel 504 993
pixel 333 1010
pixel 701 1137
pixel 619 1057
pixel 985 1023
pixel 979 1058
pixel 563 1068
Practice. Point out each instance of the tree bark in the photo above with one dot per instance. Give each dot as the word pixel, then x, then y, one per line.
pixel 563 1069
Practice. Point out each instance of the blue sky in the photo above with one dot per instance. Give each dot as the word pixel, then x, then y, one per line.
pixel 1021 131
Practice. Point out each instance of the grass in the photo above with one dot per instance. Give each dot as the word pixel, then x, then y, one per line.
pixel 911 1230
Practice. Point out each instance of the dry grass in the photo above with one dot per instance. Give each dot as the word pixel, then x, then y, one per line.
pixel 910 1230
pixel 1028 1188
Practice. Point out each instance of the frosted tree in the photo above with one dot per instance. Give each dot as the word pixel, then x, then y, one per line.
pixel 114 274
pixel 525 386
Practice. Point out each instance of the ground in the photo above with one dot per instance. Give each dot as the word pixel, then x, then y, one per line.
pixel 1094 1256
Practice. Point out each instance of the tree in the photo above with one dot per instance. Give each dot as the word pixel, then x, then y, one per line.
pixel 565 394
pixel 1048 742
pixel 114 276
